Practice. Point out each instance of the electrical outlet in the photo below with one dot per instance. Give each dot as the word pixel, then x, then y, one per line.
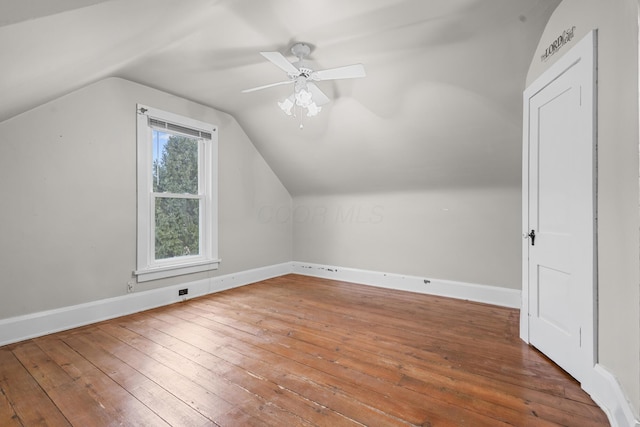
pixel 130 286
pixel 183 292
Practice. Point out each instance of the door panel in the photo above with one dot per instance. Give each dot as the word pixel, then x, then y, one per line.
pixel 554 288
pixel 554 126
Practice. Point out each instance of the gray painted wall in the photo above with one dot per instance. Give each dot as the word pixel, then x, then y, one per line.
pixel 618 219
pixel 68 180
pixel 467 235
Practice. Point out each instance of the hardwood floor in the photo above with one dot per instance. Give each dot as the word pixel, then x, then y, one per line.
pixel 293 351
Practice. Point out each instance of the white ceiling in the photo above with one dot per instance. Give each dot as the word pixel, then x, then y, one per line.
pixel 440 106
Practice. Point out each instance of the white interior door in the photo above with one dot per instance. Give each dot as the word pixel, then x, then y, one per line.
pixel 559 215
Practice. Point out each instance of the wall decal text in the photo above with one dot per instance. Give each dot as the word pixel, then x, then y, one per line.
pixel 564 38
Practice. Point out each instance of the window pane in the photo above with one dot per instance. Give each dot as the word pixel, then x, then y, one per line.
pixel 175 163
pixel 177 227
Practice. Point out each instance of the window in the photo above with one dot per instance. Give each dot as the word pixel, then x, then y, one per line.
pixel 177 195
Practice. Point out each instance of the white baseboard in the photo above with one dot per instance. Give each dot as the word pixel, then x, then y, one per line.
pixel 23 327
pixel 606 391
pixel 20 328
pixel 460 290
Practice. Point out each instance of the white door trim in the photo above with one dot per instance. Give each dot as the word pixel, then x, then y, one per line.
pixel 584 50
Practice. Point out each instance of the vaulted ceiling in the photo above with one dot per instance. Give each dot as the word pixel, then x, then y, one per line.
pixel 440 106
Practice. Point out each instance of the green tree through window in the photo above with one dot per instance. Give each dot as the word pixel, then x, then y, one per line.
pixel 175 186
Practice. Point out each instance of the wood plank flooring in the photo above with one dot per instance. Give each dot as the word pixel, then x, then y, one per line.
pixel 293 351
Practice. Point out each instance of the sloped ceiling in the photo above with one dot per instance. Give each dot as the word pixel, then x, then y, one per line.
pixel 440 106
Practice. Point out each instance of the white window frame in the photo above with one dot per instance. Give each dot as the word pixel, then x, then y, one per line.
pixel 148 268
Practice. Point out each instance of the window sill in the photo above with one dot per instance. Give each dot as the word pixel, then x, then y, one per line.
pixel 155 273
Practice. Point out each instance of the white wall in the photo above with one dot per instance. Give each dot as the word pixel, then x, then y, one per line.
pixel 68 185
pixel 467 235
pixel 618 219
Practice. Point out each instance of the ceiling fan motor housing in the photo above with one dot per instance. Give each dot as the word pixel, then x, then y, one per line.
pixel 305 72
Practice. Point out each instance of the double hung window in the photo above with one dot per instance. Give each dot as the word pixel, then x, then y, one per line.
pixel 177 195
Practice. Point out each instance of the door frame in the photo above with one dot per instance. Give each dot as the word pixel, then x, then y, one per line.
pixel 584 50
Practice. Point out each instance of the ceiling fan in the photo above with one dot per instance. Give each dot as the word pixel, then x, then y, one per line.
pixel 306 94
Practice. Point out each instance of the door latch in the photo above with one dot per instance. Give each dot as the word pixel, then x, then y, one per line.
pixel 532 235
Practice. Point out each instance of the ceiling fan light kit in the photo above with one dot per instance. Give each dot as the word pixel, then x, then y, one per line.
pixel 306 94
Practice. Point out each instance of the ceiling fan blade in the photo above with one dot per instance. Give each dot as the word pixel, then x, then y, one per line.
pixel 281 62
pixel 267 86
pixel 347 72
pixel 318 96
